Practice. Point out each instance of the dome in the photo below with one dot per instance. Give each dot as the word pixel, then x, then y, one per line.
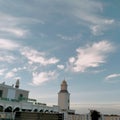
pixel 64 82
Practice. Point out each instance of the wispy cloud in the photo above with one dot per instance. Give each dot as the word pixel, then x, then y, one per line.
pixel 6 58
pixel 63 37
pixel 6 48
pixel 98 29
pixel 60 66
pixel 8 44
pixel 42 77
pixel 85 14
pixel 112 78
pixel 88 15
pixel 2 71
pixel 11 25
pixel 13 73
pixel 90 56
pixel 10 74
pixel 14 31
pixel 15 26
pixel 35 56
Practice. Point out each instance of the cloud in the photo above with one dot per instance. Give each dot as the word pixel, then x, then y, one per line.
pixel 98 29
pixel 112 76
pixel 8 44
pixel 13 73
pixel 6 58
pixel 6 48
pixel 38 57
pixel 89 15
pixel 19 69
pixel 11 25
pixel 90 56
pixel 86 14
pixel 15 26
pixel 10 74
pixel 42 77
pixel 15 31
pixel 63 37
pixel 61 67
pixel 2 71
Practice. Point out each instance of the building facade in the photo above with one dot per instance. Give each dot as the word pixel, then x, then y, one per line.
pixel 13 93
pixel 13 99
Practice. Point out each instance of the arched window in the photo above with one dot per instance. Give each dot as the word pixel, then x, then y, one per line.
pixel 8 109
pixel 35 110
pixel 17 109
pixel 41 111
pixel 20 97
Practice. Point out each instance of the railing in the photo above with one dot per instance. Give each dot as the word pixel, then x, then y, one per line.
pixel 34 101
pixel 18 100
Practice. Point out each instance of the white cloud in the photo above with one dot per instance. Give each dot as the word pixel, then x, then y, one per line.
pixel 8 44
pixel 7 20
pixel 38 57
pixel 89 15
pixel 98 29
pixel 72 60
pixel 10 74
pixel 15 26
pixel 15 31
pixel 2 71
pixel 6 58
pixel 13 72
pixel 112 76
pixel 60 66
pixel 40 78
pixel 90 56
pixel 63 37
pixel 111 21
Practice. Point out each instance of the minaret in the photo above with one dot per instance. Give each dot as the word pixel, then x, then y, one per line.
pixel 64 97
pixel 17 84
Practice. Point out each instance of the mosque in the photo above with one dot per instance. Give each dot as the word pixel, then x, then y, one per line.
pixel 16 105
pixel 14 99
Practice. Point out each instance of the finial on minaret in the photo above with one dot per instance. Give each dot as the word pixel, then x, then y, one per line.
pixel 17 84
pixel 64 85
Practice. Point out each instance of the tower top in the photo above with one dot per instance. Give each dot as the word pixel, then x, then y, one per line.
pixel 64 87
pixel 64 82
pixel 17 83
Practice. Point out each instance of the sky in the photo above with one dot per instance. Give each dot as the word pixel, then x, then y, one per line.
pixel 43 42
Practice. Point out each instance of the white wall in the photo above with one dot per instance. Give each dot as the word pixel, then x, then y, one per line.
pixel 11 94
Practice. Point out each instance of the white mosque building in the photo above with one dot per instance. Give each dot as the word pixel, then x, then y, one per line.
pixel 13 99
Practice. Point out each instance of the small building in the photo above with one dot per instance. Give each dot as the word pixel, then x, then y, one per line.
pixel 13 99
pixel 13 93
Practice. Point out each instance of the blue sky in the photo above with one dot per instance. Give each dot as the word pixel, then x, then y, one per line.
pixel 44 41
